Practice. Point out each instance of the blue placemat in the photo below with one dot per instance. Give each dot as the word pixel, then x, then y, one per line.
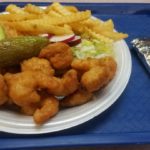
pixel 128 120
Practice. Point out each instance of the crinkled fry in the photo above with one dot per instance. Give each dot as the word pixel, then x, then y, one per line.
pixel 39 28
pixel 33 9
pixel 98 24
pixel 97 36
pixel 15 9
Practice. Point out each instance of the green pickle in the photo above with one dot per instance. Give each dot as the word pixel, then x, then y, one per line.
pixel 14 50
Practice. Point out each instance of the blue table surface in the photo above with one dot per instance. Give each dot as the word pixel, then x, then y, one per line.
pixel 128 120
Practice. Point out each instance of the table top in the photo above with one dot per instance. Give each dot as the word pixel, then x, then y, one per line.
pixel 128 120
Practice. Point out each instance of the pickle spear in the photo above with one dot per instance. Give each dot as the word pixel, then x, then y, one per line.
pixel 14 50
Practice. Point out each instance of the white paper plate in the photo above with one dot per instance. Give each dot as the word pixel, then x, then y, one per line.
pixel 13 122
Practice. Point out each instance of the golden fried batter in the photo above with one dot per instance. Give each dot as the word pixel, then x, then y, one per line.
pixel 59 54
pixel 79 97
pixel 109 63
pixel 3 91
pixel 95 78
pixel 49 108
pixel 95 72
pixel 65 85
pixel 29 109
pixel 37 64
pixel 84 64
pixel 21 88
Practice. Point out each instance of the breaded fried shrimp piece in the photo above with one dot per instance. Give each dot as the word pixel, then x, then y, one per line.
pixel 84 64
pixel 79 97
pixel 49 108
pixel 29 109
pixel 65 85
pixel 3 91
pixel 59 54
pixel 37 64
pixel 21 88
pixel 95 78
pixel 109 63
pixel 95 72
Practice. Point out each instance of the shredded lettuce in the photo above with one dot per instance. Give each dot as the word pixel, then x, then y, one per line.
pixel 93 49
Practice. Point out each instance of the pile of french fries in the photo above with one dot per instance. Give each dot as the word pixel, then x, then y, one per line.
pixel 58 20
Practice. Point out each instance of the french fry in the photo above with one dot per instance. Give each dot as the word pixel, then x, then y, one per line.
pixel 97 36
pixel 53 13
pixel 72 9
pixel 17 17
pixel 109 25
pixel 58 19
pixel 40 28
pixel 98 25
pixel 15 9
pixel 114 35
pixel 63 19
pixel 60 9
pixel 33 9
pixel 78 28
pixel 106 29
pixel 48 9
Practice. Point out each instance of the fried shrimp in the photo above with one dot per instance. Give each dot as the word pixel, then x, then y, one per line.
pixel 95 78
pixel 37 64
pixel 96 72
pixel 65 85
pixel 3 91
pixel 21 88
pixel 29 109
pixel 79 97
pixel 84 64
pixel 109 63
pixel 49 108
pixel 59 54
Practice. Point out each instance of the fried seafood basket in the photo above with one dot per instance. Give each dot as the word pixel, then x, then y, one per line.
pixel 127 121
